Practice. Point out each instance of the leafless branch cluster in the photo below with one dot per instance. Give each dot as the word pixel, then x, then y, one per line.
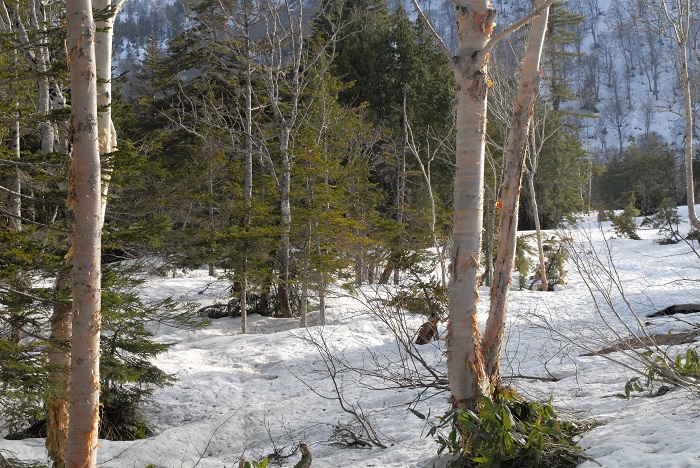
pixel 623 331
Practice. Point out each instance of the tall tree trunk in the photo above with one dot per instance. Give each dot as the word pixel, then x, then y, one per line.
pixel 321 286
pixel 467 375
pixel 304 298
pixel 14 198
pixel 285 309
pixel 544 285
pixel 516 148
pixel 59 363
pixel 86 202
pixel 107 10
pixel 37 17
pixel 243 300
pixel 58 356
pixel 401 187
pixel 248 176
pixel 688 139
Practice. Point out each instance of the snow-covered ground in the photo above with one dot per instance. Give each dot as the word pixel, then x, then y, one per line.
pixel 245 395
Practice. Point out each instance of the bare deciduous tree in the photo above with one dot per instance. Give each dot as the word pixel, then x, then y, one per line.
pixel 476 20
pixel 516 148
pixel 674 19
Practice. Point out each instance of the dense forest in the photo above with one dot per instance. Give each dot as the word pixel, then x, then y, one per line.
pixel 291 147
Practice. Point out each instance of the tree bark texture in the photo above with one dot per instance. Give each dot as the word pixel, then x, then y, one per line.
pixel 516 148
pixel 538 231
pixel 467 375
pixel 59 361
pixel 86 202
pixel 688 139
pixel 107 9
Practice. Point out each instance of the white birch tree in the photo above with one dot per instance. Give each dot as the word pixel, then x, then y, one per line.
pixel 476 20
pixel 86 202
pixel 674 19
pixel 516 148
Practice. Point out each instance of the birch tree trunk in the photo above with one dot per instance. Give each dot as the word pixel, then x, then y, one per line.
pixel 14 198
pixel 57 409
pixel 674 19
pixel 286 45
pixel 248 177
pixel 86 202
pixel 688 139
pixel 528 90
pixel 544 285
pixel 11 23
pixel 37 19
pixel 476 19
pixel 467 374
pixel 107 11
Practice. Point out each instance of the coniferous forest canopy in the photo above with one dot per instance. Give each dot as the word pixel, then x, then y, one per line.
pixel 292 147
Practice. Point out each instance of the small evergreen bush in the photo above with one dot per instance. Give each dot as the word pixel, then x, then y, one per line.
pixel 624 223
pixel 666 220
pixel 523 258
pixel 555 257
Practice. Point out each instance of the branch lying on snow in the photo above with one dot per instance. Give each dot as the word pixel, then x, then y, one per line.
pixel 211 437
pixel 334 371
pixel 623 334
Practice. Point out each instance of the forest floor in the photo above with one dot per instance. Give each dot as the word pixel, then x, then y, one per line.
pixel 251 395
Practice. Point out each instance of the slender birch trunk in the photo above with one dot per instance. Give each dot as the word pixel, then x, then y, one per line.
pixel 86 202
pixel 528 90
pixel 14 198
pixel 544 285
pixel 248 177
pixel 688 139
pixel 107 9
pixel 321 286
pixel 280 65
pixel 37 20
pixel 285 309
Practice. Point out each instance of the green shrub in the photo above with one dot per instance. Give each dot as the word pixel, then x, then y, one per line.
pixel 523 258
pixel 665 373
pixel 666 220
pixel 507 431
pixel 253 464
pixel 555 257
pixel 623 223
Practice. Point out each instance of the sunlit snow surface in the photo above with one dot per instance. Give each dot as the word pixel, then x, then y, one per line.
pixel 237 394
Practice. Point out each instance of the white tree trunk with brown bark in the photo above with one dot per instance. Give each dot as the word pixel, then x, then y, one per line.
pixel 476 19
pixel 467 375
pixel 516 148
pixel 85 199
pixel 104 34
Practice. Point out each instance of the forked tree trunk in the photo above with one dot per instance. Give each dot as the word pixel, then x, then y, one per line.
pixel 516 147
pixel 467 374
pixel 86 201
